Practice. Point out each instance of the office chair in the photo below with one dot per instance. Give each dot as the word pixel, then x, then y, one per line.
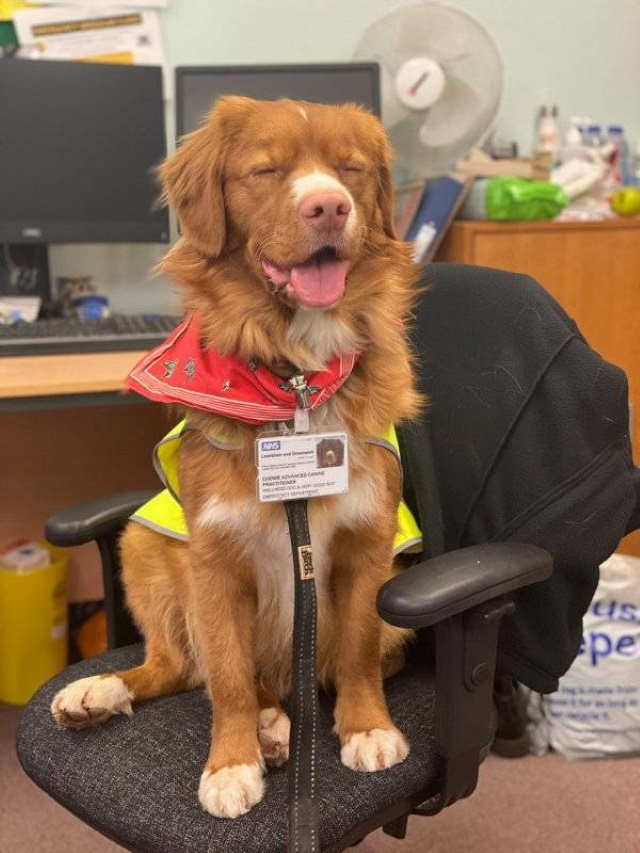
pixel 524 453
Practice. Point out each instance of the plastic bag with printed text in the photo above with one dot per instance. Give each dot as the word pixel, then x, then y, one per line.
pixel 596 710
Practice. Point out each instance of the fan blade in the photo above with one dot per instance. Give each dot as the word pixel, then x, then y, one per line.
pixel 409 152
pixel 454 115
pixel 429 30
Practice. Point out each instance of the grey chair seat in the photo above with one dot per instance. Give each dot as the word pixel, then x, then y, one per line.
pixel 136 779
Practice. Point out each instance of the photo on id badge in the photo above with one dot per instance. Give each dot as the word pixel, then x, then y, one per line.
pixel 330 452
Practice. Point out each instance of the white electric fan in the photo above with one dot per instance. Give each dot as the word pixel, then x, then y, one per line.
pixel 441 80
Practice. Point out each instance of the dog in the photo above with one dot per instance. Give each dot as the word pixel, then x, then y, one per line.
pixel 287 259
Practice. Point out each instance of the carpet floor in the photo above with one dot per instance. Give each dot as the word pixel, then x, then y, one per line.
pixel 520 806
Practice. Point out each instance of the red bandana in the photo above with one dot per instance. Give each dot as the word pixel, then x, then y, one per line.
pixel 181 371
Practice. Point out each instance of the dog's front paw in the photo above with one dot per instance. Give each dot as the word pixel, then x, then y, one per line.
pixel 231 791
pixel 375 749
pixel 90 701
pixel 274 729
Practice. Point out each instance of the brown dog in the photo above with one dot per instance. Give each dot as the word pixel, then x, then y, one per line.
pixel 288 260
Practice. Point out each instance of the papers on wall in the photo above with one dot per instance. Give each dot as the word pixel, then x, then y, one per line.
pixel 97 4
pixel 105 34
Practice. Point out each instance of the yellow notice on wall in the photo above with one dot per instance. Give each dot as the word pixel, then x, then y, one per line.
pixel 86 34
pixel 8 7
pixel 123 58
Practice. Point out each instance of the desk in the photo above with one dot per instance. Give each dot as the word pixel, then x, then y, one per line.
pixel 62 376
pixel 78 447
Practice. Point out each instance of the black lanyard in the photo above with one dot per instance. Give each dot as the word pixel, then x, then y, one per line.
pixel 304 835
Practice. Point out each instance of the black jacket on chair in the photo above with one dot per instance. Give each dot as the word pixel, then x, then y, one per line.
pixel 529 435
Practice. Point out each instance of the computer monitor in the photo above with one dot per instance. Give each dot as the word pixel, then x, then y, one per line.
pixel 197 87
pixel 78 142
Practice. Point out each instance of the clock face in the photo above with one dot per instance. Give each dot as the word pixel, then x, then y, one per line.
pixel 419 82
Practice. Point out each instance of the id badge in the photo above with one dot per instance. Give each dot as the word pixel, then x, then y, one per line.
pixel 299 466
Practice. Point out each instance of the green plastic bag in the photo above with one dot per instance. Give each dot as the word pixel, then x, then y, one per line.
pixel 519 200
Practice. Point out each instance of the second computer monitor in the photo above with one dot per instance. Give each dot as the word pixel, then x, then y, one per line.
pixel 198 87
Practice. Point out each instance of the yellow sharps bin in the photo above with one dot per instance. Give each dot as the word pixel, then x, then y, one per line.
pixel 33 627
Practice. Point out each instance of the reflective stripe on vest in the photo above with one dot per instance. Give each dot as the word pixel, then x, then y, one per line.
pixel 163 513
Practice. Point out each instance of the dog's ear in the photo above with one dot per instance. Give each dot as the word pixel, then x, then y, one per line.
pixel 192 177
pixel 192 184
pixel 386 203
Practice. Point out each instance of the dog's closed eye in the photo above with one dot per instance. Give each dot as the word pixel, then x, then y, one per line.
pixel 266 171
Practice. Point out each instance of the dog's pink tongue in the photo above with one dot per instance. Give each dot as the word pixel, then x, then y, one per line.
pixel 320 282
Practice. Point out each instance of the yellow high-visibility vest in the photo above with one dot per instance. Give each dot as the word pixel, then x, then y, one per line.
pixel 164 513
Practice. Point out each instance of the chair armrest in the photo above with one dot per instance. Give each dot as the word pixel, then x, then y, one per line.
pixel 102 521
pixel 463 594
pixel 444 586
pixel 84 522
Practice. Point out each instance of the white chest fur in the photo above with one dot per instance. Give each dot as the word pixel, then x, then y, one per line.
pixel 264 535
pixel 264 538
pixel 322 333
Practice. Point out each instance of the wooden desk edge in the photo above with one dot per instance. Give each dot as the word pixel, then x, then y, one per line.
pixel 483 225
pixel 76 373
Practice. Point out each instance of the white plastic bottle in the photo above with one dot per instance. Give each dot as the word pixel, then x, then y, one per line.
pixel 547 139
pixel 593 136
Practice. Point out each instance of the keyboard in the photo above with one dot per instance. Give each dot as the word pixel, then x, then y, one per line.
pixel 70 334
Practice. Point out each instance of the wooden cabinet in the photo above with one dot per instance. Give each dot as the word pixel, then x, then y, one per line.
pixel 71 439
pixel 59 457
pixel 592 269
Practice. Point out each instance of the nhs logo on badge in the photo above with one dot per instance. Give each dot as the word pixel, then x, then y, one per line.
pixel 270 445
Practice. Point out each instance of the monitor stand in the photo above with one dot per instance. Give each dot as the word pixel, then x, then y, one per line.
pixel 24 270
